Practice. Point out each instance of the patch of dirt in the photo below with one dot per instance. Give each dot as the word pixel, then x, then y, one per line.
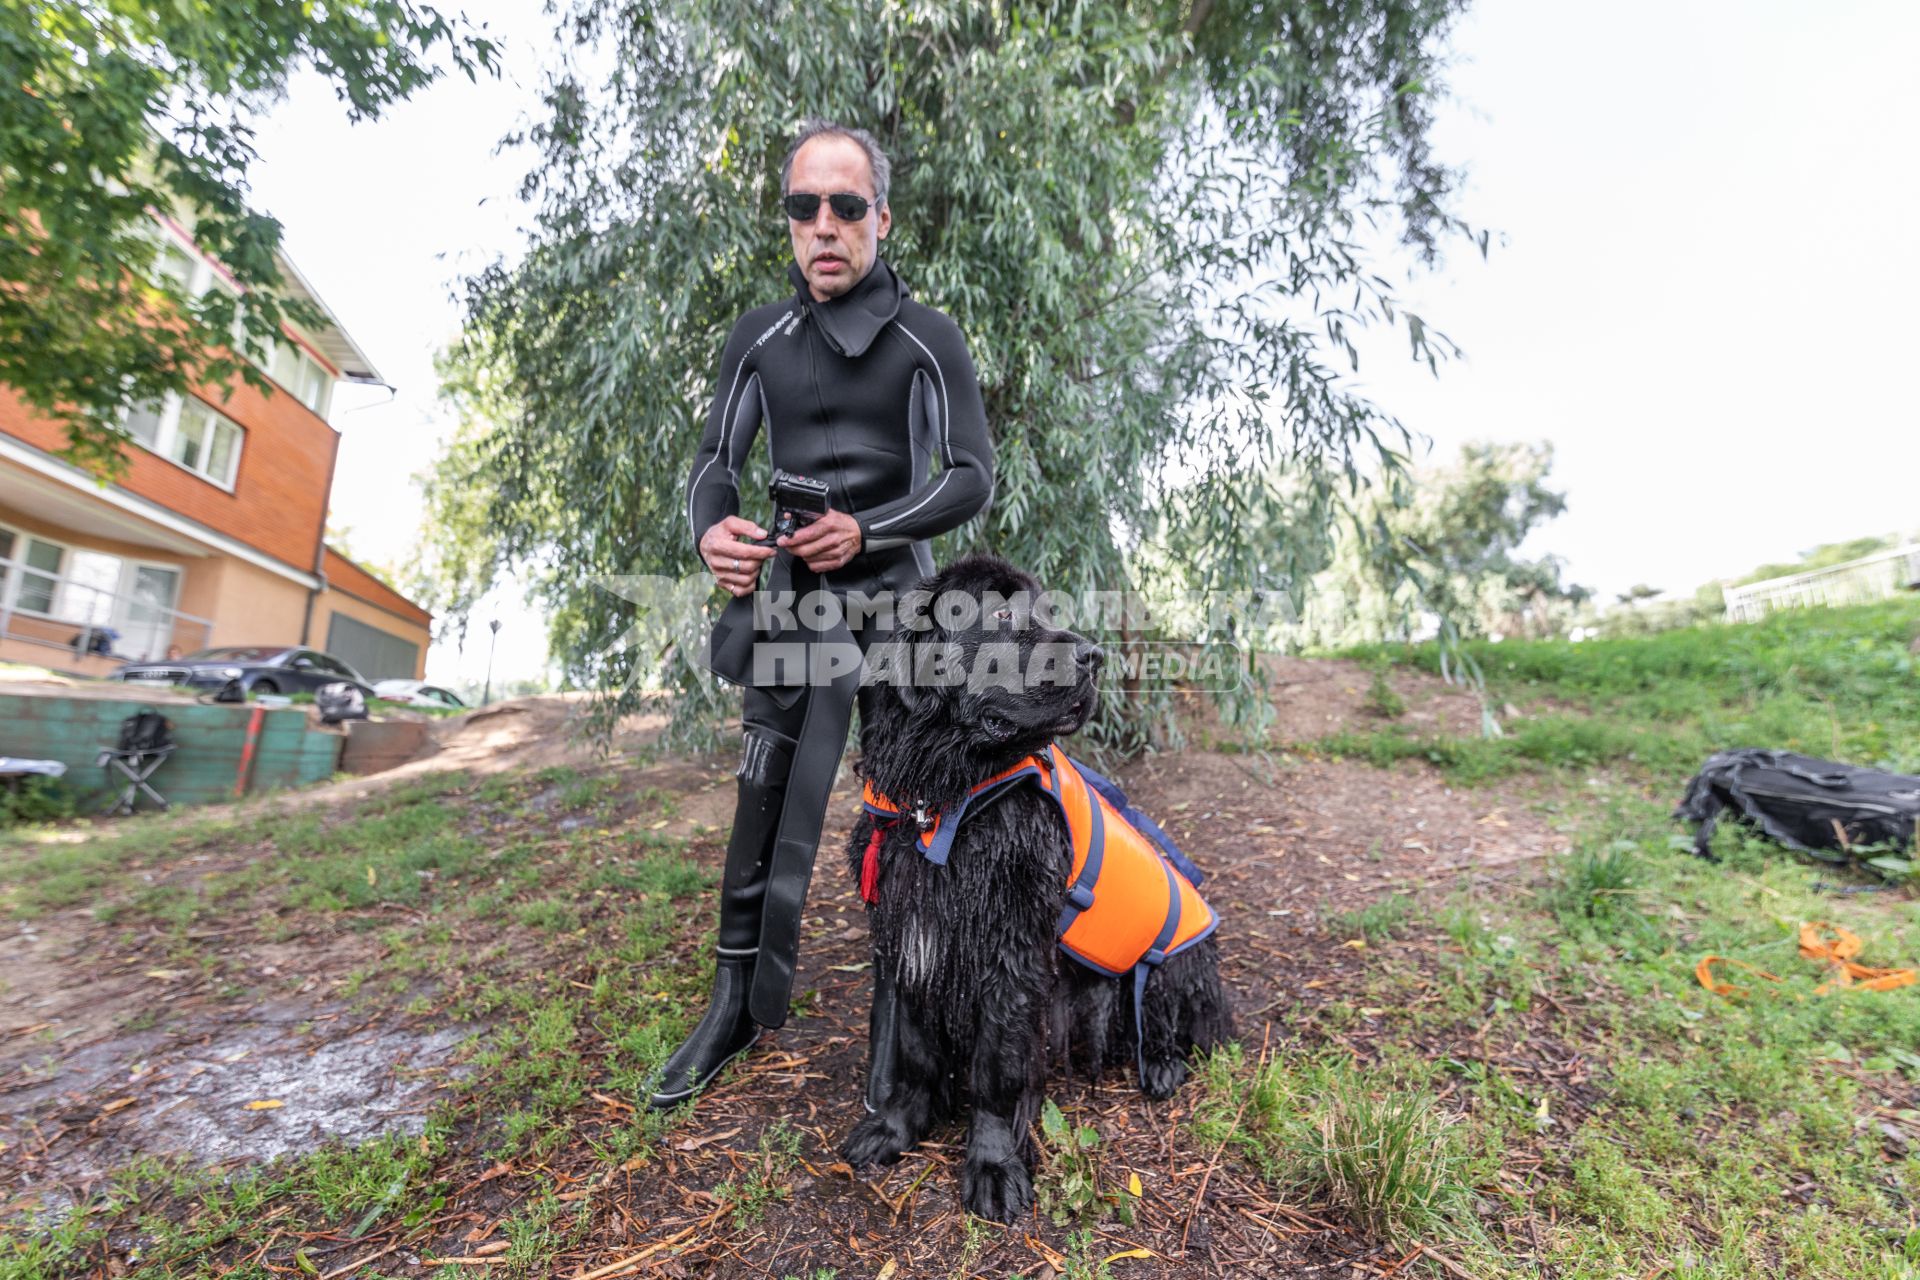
pixel 522 733
pixel 148 1056
pixel 1314 697
pixel 1285 846
pixel 1329 834
pixel 1283 852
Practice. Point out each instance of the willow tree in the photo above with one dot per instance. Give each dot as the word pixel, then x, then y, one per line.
pixel 1157 226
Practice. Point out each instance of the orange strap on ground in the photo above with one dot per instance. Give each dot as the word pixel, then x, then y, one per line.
pixel 1829 944
pixel 1704 972
pixel 1838 952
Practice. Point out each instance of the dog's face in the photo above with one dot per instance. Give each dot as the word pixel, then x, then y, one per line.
pixel 988 666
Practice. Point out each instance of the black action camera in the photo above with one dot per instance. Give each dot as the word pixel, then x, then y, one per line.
pixel 797 503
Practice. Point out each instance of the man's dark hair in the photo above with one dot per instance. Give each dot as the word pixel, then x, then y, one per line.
pixel 876 158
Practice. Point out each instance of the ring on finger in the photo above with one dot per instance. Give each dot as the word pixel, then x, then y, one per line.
pixel 736 564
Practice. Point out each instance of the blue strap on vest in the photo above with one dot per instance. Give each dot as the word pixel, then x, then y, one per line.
pixel 1080 892
pixel 941 847
pixel 1148 963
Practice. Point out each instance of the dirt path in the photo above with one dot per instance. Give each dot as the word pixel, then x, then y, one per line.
pixel 1283 854
pixel 109 1050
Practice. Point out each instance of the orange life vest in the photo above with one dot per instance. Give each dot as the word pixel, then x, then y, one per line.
pixel 1131 897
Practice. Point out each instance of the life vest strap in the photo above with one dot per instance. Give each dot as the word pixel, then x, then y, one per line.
pixel 1156 955
pixel 1080 892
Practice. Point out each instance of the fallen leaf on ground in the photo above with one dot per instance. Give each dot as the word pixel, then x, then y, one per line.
pixel 1057 1261
pixel 265 1104
pixel 1133 1185
pixel 694 1144
pixel 1127 1253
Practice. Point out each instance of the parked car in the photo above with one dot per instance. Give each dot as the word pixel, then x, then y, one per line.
pixel 258 668
pixel 418 693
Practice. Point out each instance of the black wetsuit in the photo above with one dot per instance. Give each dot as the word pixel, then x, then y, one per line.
pixel 874 394
pixel 865 392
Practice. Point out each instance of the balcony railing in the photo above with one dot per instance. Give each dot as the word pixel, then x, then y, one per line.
pixel 90 621
pixel 1874 577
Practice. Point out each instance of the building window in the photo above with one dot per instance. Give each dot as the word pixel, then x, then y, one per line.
pixel 172 262
pixel 191 433
pixel 87 588
pixel 206 443
pixel 34 577
pixel 300 374
pixel 143 422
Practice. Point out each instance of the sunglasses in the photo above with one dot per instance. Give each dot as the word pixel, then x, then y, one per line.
pixel 804 206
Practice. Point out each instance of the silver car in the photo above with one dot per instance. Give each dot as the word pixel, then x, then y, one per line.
pixel 418 693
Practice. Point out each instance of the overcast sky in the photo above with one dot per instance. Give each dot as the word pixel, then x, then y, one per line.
pixel 1701 292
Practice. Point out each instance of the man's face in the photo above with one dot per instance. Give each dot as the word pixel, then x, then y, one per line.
pixel 835 255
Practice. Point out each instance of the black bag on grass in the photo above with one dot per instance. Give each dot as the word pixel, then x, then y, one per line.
pixel 144 731
pixel 1818 807
pixel 340 701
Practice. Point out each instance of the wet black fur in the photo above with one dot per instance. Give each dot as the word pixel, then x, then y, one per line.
pixel 986 998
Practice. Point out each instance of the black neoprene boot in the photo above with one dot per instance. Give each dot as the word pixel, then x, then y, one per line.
pixel 728 1030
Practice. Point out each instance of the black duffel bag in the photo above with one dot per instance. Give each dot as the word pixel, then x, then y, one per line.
pixel 1819 807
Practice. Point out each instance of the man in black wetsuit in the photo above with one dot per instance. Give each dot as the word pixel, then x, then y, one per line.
pixel 857 385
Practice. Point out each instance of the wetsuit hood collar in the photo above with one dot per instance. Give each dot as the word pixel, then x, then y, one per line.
pixel 853 320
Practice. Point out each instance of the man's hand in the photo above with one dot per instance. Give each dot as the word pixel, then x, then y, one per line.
pixel 827 543
pixel 735 564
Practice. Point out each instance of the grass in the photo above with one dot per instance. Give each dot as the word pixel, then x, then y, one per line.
pixel 1838 683
pixel 1374 921
pixel 765 1180
pixel 1533 1082
pixel 1720 1138
pixel 470 927
pixel 1715 1107
pixel 1708 1137
pixel 1069 1189
pixel 1320 1129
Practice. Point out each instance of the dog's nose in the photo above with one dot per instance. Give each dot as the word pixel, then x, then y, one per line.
pixel 1088 656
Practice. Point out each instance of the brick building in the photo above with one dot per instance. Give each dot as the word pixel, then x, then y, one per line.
pixel 215 535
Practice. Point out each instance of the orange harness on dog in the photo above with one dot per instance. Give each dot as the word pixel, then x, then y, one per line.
pixel 1131 900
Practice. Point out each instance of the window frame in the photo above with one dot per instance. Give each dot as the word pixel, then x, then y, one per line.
pixel 306 369
pixel 166 435
pixel 18 569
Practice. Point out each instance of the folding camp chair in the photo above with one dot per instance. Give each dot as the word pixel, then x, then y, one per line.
pixel 136 767
pixel 146 740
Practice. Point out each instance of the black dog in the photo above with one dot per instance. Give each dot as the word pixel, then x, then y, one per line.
pixel 983 995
